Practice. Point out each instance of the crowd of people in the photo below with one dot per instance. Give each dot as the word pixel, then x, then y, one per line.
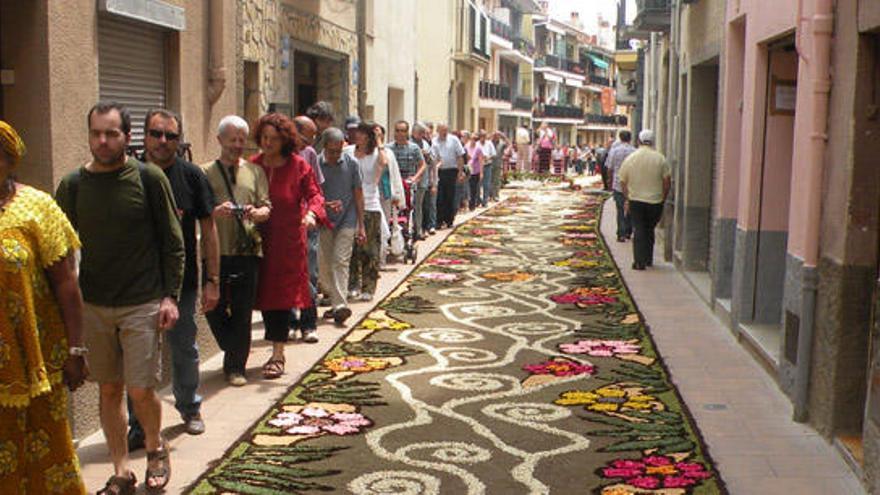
pixel 129 250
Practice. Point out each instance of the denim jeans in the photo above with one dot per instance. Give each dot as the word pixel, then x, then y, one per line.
pixel 487 185
pixel 624 225
pixel 184 362
pixel 430 209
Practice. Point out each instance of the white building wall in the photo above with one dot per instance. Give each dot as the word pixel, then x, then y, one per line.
pixel 391 60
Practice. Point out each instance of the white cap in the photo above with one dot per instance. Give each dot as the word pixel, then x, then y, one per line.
pixel 646 136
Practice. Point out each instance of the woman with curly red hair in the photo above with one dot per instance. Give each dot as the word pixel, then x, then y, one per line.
pixel 297 204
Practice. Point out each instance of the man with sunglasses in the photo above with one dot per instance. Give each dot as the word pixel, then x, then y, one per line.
pixel 195 202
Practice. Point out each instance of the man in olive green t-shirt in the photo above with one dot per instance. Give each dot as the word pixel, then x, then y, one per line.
pixel 130 275
pixel 645 180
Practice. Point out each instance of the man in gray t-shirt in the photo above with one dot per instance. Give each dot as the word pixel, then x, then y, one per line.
pixel 344 200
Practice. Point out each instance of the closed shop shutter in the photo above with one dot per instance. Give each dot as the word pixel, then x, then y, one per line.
pixel 131 68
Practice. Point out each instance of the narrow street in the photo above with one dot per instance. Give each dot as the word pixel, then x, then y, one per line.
pixel 513 360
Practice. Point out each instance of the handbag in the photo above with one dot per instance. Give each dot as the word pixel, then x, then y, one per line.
pixel 247 241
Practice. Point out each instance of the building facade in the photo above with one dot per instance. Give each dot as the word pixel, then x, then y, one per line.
pixel 777 210
pixel 59 58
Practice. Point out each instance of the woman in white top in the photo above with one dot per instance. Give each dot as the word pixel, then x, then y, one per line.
pixel 364 267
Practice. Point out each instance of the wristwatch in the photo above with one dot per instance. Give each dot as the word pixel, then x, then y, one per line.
pixel 78 351
pixel 214 280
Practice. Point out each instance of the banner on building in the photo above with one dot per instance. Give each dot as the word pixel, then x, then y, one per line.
pixel 627 87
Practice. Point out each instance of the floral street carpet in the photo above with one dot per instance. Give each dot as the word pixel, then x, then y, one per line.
pixel 512 361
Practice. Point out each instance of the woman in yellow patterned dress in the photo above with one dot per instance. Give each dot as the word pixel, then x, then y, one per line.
pixel 41 350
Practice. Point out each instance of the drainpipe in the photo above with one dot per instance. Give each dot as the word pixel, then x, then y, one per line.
pixel 822 25
pixel 216 70
pixel 361 29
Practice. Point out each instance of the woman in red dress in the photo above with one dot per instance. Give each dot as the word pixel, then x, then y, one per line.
pixel 297 204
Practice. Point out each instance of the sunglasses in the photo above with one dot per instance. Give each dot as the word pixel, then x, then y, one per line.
pixel 169 136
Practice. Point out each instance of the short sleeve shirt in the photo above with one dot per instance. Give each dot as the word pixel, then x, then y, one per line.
pixel 195 201
pixel 409 156
pixel 250 187
pixel 447 151
pixel 340 181
pixel 643 173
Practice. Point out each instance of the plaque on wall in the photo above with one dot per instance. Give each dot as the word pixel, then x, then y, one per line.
pixel 783 96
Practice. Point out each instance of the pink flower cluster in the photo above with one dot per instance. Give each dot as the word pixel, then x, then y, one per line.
pixel 445 261
pixel 657 471
pixel 588 300
pixel 601 348
pixel 315 421
pixel 580 235
pixel 484 232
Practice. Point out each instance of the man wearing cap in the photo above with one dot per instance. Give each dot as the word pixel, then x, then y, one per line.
pixel 645 179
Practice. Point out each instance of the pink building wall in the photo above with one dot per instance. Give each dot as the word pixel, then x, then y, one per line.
pixel 727 188
pixel 763 26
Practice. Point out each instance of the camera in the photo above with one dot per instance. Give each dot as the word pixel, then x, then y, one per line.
pixel 238 211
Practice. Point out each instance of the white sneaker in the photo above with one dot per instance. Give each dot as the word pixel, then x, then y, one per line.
pixel 236 379
pixel 310 336
pixel 365 297
pixel 354 295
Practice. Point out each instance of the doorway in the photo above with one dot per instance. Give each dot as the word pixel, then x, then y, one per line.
pixel 762 325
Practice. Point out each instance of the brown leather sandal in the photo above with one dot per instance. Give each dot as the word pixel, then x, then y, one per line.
pixel 273 369
pixel 163 473
pixel 120 485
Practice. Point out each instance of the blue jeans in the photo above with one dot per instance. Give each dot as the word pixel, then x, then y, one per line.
pixel 184 361
pixel 299 317
pixel 430 209
pixel 624 226
pixel 487 185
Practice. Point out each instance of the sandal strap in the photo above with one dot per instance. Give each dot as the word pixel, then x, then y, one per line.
pixel 119 485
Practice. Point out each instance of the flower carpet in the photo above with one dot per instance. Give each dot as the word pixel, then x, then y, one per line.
pixel 512 361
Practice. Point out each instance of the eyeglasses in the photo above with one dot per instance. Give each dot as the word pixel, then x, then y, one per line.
pixel 169 136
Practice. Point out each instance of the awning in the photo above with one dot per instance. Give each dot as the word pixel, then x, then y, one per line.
pixel 576 83
pixel 598 62
pixel 552 78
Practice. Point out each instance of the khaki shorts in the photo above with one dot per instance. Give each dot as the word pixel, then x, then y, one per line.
pixel 125 344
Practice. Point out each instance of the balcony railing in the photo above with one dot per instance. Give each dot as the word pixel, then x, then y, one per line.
pixel 522 103
pixel 549 61
pixel 618 120
pixel 653 15
pixel 501 29
pixel 524 46
pixel 601 81
pixel 493 91
pixel 560 111
pixel 574 67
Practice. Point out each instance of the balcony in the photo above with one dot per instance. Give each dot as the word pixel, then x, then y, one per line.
pixel 494 91
pixel 599 80
pixel 548 60
pixel 524 46
pixel 653 15
pixel 501 29
pixel 560 112
pixel 616 120
pixel 573 67
pixel 522 103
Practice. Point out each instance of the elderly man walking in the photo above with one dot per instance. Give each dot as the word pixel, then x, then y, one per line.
pixel 448 149
pixel 645 180
pixel 344 201
pixel 615 159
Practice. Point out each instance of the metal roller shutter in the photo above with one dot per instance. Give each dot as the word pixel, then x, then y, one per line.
pixel 131 68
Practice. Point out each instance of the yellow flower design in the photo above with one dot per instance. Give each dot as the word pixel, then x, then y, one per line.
pixel 8 458
pixel 13 253
pixel 386 323
pixel 37 445
pixel 59 477
pixel 614 398
pixel 58 406
pixel 577 263
pixel 577 228
pixel 512 276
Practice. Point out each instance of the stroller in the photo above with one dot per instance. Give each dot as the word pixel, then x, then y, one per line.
pixel 403 235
